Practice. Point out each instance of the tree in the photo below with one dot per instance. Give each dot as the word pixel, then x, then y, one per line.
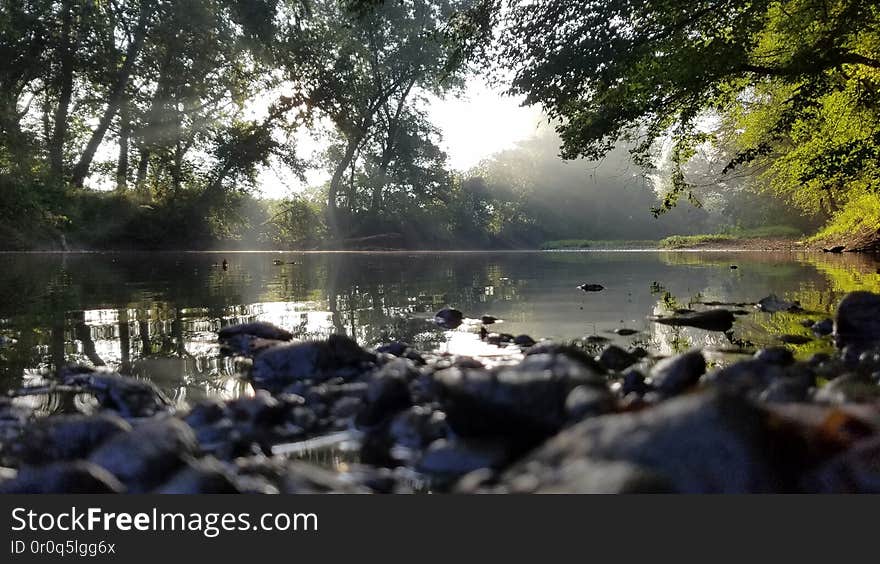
pixel 649 68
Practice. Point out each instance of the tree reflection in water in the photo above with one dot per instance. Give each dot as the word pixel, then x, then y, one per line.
pixel 156 315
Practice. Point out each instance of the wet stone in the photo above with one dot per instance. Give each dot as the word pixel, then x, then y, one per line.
pixel 823 327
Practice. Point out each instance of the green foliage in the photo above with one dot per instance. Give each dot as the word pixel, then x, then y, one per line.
pixel 795 84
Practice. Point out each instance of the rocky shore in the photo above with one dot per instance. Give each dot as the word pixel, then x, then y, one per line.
pixel 556 420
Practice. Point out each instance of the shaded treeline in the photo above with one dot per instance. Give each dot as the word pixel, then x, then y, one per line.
pixel 147 123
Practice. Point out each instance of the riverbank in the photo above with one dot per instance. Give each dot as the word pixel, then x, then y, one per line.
pixel 549 418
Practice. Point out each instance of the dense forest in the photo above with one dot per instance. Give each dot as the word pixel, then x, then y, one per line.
pixel 148 123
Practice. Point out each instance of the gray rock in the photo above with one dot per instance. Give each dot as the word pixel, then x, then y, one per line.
pixel 615 358
pixel 673 375
pixel 76 477
pixel 145 457
pixel 699 443
pixel 337 357
pixel 857 321
pixel 66 437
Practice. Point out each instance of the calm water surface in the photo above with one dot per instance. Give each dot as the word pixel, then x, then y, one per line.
pixel 155 315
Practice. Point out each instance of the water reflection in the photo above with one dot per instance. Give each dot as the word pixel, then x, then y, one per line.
pixel 156 315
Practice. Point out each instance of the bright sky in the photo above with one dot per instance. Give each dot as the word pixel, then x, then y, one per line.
pixel 476 125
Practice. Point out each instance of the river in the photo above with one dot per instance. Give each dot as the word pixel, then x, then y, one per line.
pixel 155 315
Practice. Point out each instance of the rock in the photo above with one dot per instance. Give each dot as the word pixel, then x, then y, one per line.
pixel 525 402
pixel 795 339
pixel 710 320
pixel 855 470
pixel 449 460
pixel 76 477
pixel 835 250
pixel 417 427
pixel 588 401
pixel 786 390
pixel 823 327
pixel 857 321
pixel 699 443
pixel 523 341
pixel 748 376
pixel 145 457
pixel 387 394
pixel 583 477
pixel 259 329
pixel 488 320
pixel 639 352
pixel 66 437
pixel 733 267
pixel 633 383
pixel 591 287
pixel 615 358
pixel 448 318
pixel 204 476
pixel 304 478
pixel 318 361
pixel 849 388
pixel 624 332
pixel 127 396
pixel 772 304
pixel 673 375
pixel 775 355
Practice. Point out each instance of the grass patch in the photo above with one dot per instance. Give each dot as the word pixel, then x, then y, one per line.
pixel 859 218
pixel 687 241
pixel 736 234
pixel 574 244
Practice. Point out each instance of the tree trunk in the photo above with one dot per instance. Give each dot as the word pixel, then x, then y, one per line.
pixel 124 134
pixel 336 184
pixel 117 93
pixel 59 133
pixel 140 182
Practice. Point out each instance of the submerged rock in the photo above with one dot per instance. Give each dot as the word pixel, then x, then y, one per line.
pixel 259 329
pixel 710 320
pixel 773 304
pixel 591 287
